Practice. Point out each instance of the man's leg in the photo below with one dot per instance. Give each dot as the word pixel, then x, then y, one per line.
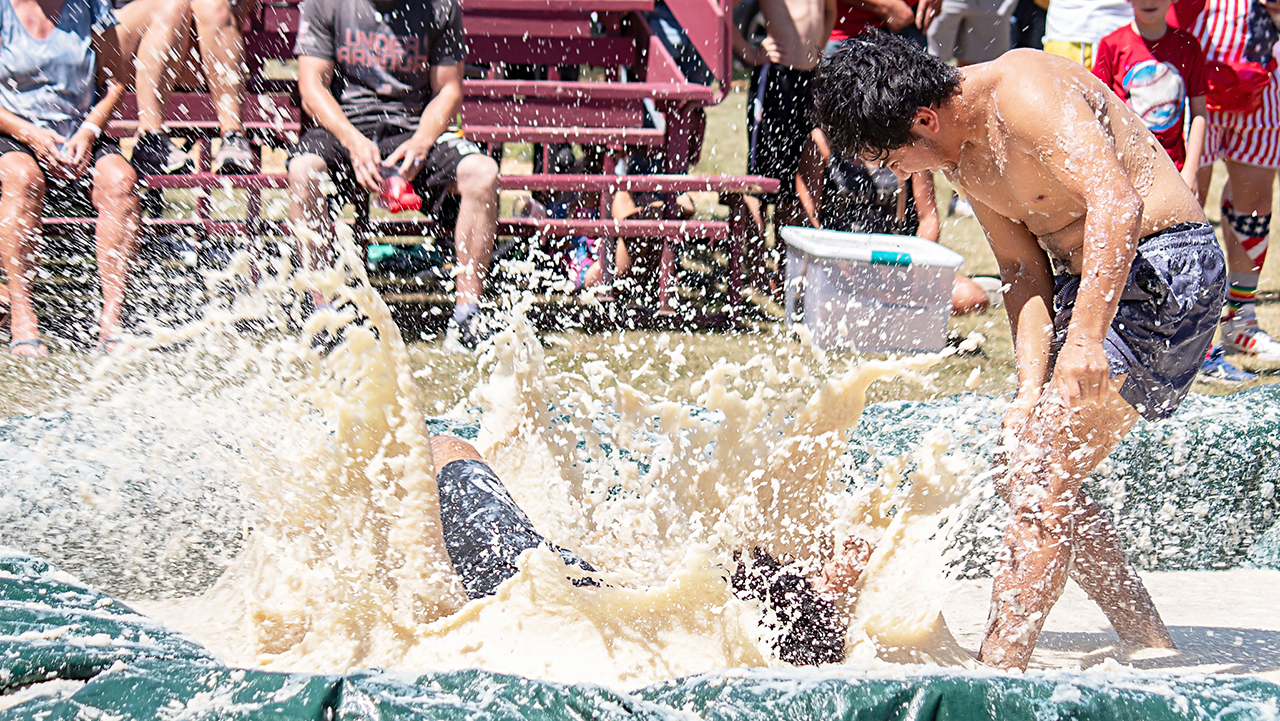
pixel 21 205
pixel 1246 227
pixel 309 213
pixel 1054 520
pixel 477 225
pixel 115 197
pixel 222 54
pixel 156 32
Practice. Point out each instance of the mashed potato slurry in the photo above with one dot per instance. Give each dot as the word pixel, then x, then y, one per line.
pixel 345 565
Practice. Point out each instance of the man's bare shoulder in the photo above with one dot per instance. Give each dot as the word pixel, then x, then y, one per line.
pixel 1034 91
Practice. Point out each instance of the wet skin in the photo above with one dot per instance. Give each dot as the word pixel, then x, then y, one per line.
pixel 1061 174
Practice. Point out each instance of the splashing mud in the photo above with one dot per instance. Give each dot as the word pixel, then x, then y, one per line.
pixel 341 561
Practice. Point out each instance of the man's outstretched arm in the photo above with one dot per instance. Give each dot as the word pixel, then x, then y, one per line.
pixel 1082 159
pixel 1024 269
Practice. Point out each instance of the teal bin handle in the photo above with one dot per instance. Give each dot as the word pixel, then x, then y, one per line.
pixel 884 257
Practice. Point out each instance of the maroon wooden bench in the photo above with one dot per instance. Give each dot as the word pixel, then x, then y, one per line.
pixel 612 34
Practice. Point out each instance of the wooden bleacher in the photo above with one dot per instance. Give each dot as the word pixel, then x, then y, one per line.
pixel 612 36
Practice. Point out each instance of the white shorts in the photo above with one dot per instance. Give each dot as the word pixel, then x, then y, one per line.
pixel 973 31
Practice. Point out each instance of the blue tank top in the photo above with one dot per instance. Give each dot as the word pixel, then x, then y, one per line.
pixel 51 82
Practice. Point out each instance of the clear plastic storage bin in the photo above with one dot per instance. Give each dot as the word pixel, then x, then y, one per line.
pixel 866 292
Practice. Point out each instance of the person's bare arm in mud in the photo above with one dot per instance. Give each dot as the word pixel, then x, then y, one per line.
pixel 314 76
pixel 447 449
pixel 841 573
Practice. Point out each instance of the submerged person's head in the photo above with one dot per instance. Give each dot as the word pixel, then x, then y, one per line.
pixel 870 95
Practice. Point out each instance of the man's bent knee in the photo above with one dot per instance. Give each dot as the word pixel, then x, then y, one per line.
pixel 114 185
pixel 478 176
pixel 20 174
pixel 306 171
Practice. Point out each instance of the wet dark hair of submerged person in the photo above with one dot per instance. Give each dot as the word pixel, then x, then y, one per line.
pixel 868 92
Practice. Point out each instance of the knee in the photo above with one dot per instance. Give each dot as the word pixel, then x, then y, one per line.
pixel 115 186
pixel 212 13
pixel 21 177
pixel 478 176
pixel 173 14
pixel 967 296
pixel 305 172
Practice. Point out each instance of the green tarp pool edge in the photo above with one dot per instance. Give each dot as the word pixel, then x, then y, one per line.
pixel 52 627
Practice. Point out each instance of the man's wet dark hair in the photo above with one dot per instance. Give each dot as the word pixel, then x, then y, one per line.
pixel 868 92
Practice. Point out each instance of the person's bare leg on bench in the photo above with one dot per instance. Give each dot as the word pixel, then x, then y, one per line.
pixel 116 237
pixel 308 208
pixel 477 225
pixel 157 34
pixel 222 54
pixel 21 204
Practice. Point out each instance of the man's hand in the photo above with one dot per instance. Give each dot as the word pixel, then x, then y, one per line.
pixel 411 155
pixel 78 153
pixel 926 11
pixel 1081 373
pixel 771 50
pixel 367 162
pixel 47 145
pixel 842 572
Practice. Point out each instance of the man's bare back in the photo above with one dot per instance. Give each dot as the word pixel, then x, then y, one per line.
pixel 1039 110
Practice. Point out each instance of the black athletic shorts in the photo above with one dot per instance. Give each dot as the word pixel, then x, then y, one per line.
pixel 70 197
pixel 1167 316
pixel 432 182
pixel 778 121
pixel 485 531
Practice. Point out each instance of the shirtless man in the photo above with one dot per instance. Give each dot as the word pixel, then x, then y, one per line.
pixel 1114 277
pixel 781 95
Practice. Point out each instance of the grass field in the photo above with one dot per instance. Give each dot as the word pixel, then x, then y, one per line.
pixel 32 386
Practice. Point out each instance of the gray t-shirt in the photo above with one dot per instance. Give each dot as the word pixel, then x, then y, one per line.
pixel 51 82
pixel 382 53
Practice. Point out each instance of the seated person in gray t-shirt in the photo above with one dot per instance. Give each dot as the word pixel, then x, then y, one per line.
pixel 51 117
pixel 382 83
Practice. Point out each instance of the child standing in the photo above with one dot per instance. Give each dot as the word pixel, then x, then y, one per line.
pixel 1157 70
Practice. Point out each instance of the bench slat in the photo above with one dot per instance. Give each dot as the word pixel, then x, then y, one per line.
pixel 753 184
pixel 586 90
pixel 599 51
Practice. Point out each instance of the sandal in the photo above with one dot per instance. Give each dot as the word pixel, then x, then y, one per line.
pixel 108 345
pixel 36 343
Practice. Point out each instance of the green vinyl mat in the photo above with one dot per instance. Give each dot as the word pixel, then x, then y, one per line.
pixel 69 652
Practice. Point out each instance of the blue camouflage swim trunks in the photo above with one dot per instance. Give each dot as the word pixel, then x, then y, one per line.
pixel 1167 316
